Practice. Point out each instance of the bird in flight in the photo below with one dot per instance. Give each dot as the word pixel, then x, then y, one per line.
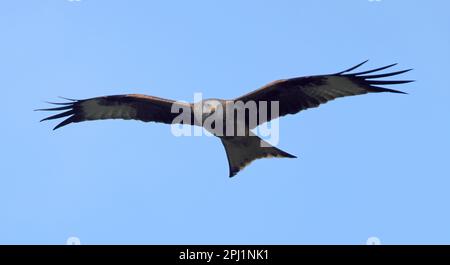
pixel 292 95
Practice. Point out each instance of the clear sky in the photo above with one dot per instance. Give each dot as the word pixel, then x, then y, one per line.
pixel 372 165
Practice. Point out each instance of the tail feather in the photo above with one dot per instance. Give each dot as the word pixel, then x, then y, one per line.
pixel 242 150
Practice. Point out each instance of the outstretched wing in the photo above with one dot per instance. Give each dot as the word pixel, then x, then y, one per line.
pixel 127 107
pixel 301 93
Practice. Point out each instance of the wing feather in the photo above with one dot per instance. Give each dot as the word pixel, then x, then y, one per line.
pixel 132 106
pixel 300 93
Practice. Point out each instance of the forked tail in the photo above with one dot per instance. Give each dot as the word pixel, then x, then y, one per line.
pixel 242 150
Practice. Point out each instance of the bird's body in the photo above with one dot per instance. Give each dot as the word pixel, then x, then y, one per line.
pixel 232 120
pixel 241 145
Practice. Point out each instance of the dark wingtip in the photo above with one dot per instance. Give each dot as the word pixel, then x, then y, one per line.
pixel 386 74
pixel 56 109
pixel 397 92
pixel 382 89
pixel 65 122
pixel 353 67
pixel 68 107
pixel 389 82
pixel 59 103
pixel 374 70
pixel 45 119
pixel 60 115
pixel 70 99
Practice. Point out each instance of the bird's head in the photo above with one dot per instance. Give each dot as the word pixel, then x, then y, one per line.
pixel 210 106
pixel 204 109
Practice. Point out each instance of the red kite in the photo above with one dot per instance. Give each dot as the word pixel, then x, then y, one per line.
pixel 293 95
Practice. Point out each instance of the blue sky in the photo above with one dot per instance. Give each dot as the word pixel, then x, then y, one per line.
pixel 373 165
